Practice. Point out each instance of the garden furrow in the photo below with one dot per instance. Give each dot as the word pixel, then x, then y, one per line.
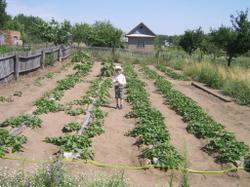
pixel 197 159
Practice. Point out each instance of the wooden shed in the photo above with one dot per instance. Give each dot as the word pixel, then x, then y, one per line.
pixel 141 38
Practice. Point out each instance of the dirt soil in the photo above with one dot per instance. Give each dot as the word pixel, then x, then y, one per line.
pixel 30 92
pixel 235 117
pixel 182 140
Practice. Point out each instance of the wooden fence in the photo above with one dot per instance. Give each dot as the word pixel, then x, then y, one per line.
pixel 121 51
pixel 14 64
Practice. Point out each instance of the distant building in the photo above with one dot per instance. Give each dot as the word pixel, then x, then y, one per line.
pixel 12 38
pixel 141 38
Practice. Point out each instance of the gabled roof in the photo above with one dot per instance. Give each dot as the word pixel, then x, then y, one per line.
pixel 141 30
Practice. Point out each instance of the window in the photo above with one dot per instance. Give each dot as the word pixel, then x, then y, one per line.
pixel 140 44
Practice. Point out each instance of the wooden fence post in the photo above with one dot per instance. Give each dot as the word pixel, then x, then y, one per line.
pixel 42 59
pixel 16 66
pixel 60 54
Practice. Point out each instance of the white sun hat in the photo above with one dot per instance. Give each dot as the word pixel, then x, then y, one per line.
pixel 118 67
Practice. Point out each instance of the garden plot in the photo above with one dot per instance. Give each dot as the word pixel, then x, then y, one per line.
pixel 45 105
pixel 236 118
pixel 145 132
pixel 183 140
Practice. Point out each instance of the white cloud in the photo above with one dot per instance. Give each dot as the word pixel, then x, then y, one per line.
pixel 44 11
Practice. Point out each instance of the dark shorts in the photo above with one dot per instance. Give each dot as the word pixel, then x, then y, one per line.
pixel 119 92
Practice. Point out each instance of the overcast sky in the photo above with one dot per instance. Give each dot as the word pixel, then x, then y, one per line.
pixel 161 16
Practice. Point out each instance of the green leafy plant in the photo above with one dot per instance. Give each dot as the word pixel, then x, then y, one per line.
pixel 70 127
pixel 45 105
pixel 50 75
pixel 6 99
pixel 169 72
pixel 8 141
pixel 27 119
pixel 18 93
pixel 164 156
pixel 76 111
pixel 108 68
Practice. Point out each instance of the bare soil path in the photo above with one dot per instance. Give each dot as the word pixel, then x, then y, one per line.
pixel 30 92
pixel 182 140
pixel 234 117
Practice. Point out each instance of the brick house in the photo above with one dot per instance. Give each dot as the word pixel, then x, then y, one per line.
pixel 141 38
pixel 12 38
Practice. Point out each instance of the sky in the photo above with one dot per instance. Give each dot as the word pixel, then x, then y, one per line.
pixel 168 17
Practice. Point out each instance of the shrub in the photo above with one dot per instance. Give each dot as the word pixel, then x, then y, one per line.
pixel 239 90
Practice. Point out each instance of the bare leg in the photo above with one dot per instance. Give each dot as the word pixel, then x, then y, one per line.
pixel 121 103
pixel 117 104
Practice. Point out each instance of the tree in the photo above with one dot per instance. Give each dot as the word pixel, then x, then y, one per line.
pixel 208 47
pixel 234 41
pixel 104 34
pixel 191 40
pixel 54 32
pixel 29 22
pixel 81 33
pixel 4 17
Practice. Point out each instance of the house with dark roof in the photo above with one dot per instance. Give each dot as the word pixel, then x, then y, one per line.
pixel 141 38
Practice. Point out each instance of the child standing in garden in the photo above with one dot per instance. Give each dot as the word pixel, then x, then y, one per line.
pixel 119 83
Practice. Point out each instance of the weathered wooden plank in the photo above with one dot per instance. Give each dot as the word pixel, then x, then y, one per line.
pixel 6 67
pixel 212 92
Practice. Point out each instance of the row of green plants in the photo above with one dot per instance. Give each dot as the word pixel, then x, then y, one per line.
pixel 81 143
pixel 221 144
pixel 150 129
pixel 108 67
pixel 169 72
pixel 48 103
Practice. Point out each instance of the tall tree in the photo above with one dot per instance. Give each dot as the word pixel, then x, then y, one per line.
pixel 81 33
pixel 234 41
pixel 191 40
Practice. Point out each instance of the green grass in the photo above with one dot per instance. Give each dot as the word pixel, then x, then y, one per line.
pixel 7 49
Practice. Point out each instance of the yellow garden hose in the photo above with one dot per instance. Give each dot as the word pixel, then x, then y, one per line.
pixel 121 166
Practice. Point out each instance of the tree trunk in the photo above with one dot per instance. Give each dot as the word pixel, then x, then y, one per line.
pixel 229 60
pixel 214 57
pixel 113 51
